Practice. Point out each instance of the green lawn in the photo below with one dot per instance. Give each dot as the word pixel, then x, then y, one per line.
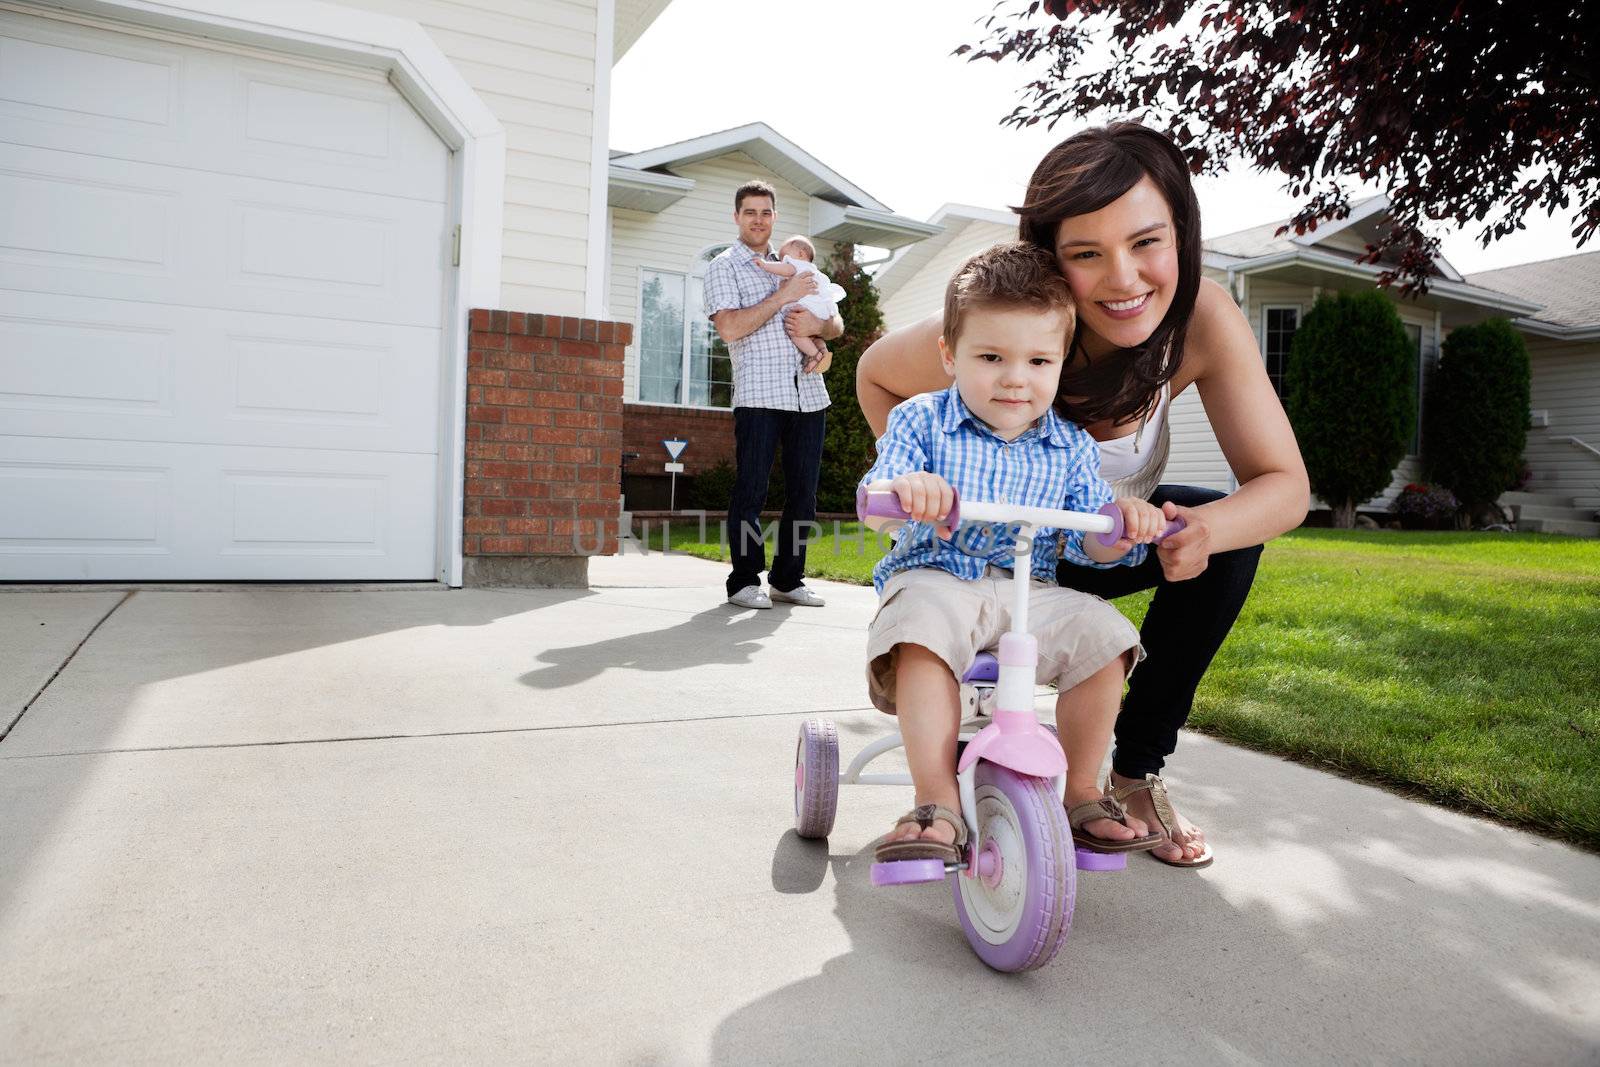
pixel 1463 667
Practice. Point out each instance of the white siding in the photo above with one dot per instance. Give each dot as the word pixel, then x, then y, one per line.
pixel 923 293
pixel 1566 383
pixel 670 240
pixel 532 63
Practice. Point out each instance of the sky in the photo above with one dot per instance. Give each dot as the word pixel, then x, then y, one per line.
pixel 869 88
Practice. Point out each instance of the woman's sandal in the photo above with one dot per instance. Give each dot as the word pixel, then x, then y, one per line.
pixel 1164 815
pixel 919 848
pixel 1105 808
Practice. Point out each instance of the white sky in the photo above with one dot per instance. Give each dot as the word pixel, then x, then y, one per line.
pixel 870 89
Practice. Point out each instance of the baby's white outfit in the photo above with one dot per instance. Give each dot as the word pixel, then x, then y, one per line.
pixel 824 303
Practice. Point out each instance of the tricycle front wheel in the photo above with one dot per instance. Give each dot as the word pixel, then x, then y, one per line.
pixel 816 778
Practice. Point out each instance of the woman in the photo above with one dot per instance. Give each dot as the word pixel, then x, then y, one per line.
pixel 1116 208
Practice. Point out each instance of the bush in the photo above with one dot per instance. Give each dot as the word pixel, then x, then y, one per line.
pixel 1475 423
pixel 711 489
pixel 1426 507
pixel 848 447
pixel 1351 397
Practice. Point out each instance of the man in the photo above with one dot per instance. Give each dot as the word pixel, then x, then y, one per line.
pixel 775 401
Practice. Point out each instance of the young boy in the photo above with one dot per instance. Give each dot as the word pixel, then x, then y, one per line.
pixel 994 435
pixel 798 255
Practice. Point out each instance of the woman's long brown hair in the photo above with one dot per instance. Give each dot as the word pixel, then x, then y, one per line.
pixel 1083 174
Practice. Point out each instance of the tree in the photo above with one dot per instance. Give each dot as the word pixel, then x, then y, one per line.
pixel 1475 423
pixel 1352 399
pixel 1473 112
pixel 847 449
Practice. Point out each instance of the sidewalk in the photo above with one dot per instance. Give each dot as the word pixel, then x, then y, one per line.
pixel 273 825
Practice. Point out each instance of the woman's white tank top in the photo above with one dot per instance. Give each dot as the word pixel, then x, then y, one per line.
pixel 1134 464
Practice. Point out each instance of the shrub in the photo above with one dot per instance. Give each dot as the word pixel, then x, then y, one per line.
pixel 1351 397
pixel 1475 421
pixel 711 489
pixel 1426 507
pixel 848 446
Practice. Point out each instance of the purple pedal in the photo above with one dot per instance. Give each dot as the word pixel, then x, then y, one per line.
pixel 1101 861
pixel 907 872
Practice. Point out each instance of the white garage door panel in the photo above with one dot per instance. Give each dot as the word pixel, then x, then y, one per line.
pixel 157 102
pixel 223 280
pixel 76 367
pixel 130 231
pixel 93 511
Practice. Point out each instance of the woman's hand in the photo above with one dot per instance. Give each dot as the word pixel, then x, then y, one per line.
pixel 927 497
pixel 1186 553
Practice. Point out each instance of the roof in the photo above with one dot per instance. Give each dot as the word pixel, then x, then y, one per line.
pixel 630 18
pixel 1364 218
pixel 1568 287
pixel 769 148
pixel 953 219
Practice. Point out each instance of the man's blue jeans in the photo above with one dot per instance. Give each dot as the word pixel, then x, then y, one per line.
pixel 757 433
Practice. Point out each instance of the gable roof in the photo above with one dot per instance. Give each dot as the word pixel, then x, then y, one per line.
pixel 954 219
pixel 630 19
pixel 769 148
pixel 1364 223
pixel 1567 286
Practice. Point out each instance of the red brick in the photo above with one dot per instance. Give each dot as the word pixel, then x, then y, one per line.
pixel 551 472
pixel 503 546
pixel 478 319
pixel 610 457
pixel 554 437
pixel 471 546
pixel 482 526
pixel 556 364
pixel 486 340
pixel 591 330
pixel 485 487
pixel 571 327
pixel 533 345
pixel 505 507
pixel 485 450
pixel 605 509
pixel 534 325
pixel 506 433
pixel 519 453
pixel 555 400
pixel 533 490
pixel 579 349
pixel 596 474
pixel 505 470
pixel 585 419
pixel 484 376
pixel 534 416
pixel 527 526
pixel 480 413
pixel 572 455
pixel 510 361
pixel 510 398
pixel 603 368
pixel 624 334
pixel 521 379
pixel 608 332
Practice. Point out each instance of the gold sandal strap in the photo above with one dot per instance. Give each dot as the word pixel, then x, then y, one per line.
pixel 924 815
pixel 1164 812
pixel 1100 808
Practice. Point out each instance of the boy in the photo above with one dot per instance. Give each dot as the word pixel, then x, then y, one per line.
pixel 995 436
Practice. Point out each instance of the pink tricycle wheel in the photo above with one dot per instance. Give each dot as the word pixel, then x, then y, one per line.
pixel 816 778
pixel 1019 920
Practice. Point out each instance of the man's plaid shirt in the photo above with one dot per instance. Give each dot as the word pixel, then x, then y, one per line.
pixel 1054 464
pixel 766 364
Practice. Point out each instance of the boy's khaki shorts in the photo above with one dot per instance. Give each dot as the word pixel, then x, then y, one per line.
pixel 1077 633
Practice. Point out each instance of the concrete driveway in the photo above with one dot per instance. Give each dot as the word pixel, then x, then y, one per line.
pixel 275 825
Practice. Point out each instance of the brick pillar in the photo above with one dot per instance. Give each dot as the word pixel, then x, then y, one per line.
pixel 544 447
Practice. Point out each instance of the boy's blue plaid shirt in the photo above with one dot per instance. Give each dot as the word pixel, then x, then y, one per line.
pixel 1054 464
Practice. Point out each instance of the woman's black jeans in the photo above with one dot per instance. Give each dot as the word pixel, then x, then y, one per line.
pixel 1186 624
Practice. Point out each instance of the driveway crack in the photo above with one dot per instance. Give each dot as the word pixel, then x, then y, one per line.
pixel 57 672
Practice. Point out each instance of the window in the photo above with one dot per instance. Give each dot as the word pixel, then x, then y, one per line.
pixel 1278 325
pixel 677 343
pixel 1414 337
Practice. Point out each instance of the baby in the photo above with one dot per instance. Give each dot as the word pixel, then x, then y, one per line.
pixel 798 256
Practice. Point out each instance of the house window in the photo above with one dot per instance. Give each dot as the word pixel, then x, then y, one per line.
pixel 677 344
pixel 1277 330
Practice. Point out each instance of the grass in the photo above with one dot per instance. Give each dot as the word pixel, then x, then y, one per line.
pixel 1461 667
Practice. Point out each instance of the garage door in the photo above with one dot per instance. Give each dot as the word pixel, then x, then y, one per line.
pixel 222 283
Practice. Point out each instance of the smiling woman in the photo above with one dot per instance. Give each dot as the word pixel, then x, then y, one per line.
pixel 1116 208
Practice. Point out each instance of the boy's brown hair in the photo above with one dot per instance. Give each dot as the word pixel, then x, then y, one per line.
pixel 753 188
pixel 1015 274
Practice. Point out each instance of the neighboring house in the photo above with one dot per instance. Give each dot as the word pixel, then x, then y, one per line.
pixel 238 245
pixel 1275 280
pixel 671 214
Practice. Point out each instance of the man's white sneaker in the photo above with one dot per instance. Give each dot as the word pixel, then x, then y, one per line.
pixel 750 596
pixel 798 595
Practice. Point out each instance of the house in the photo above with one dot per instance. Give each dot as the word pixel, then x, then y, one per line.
pixel 239 246
pixel 1275 280
pixel 671 213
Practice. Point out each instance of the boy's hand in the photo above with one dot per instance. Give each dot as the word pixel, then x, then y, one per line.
pixel 927 497
pixel 1142 523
